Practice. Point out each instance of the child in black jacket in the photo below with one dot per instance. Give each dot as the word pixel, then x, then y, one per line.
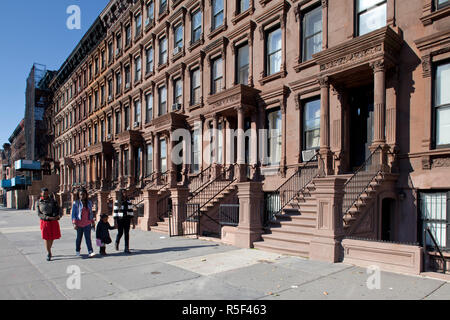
pixel 102 233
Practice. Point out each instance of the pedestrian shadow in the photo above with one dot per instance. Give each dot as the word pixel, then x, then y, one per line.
pixel 136 252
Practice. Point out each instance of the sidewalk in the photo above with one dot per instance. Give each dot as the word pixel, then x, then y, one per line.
pixel 181 269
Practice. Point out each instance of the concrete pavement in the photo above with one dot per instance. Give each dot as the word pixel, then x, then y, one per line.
pixel 181 269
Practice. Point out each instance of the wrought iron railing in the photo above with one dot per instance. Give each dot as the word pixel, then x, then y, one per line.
pixel 361 180
pixel 164 206
pixel 199 180
pixel 229 214
pixel 213 188
pixel 184 220
pixel 437 248
pixel 277 200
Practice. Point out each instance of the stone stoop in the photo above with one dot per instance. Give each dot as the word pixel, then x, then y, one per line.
pixel 293 229
pixel 161 227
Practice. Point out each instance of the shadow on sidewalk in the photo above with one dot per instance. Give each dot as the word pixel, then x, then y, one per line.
pixel 154 251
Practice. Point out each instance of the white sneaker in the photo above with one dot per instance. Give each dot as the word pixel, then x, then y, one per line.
pixel 92 254
pixel 78 254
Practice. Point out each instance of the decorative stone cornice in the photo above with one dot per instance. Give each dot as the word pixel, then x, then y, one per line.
pixel 383 44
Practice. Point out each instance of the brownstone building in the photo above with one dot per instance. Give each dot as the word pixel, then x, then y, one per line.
pixel 267 84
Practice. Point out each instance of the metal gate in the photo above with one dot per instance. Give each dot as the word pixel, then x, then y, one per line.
pixel 184 220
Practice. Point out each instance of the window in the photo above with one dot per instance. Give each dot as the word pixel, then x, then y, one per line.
pixel 312 33
pixel 102 94
pixel 195 87
pixel 127 118
pixel 178 38
pixel 116 165
pixel 125 163
pixel 137 112
pixel 439 4
pixel 434 209
pixel 96 66
pixel 148 107
pixel 110 52
pixel 311 125
pixel 196 26
pixel 95 134
pixel 242 5
pixel 118 43
pixel 273 52
pixel 137 71
pixel 150 12
pixel 163 50
pixel 138 24
pixel 163 155
pixel 162 95
pixel 217 75
pixel 90 73
pixel 103 59
pixel 177 94
pixel 95 100
pixel 242 64
pixel 127 35
pixel 90 104
pixel 274 137
pixel 149 169
pixel 196 152
pixel 217 10
pixel 149 60
pixel 162 6
pixel 110 88
pixel 102 133
pixel 118 82
pixel 371 15
pixel 118 122
pixel 442 105
pixel 109 125
pixel 127 76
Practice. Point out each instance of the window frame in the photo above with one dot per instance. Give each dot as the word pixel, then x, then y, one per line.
pixel 214 79
pixel 238 68
pixel 193 100
pixel 358 14
pixel 193 28
pixel 303 26
pixel 267 55
pixel 160 100
pixel 215 14
pixel 435 107
pixel 303 124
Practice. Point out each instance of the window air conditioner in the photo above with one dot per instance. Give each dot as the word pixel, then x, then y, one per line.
pixel 176 106
pixel 308 155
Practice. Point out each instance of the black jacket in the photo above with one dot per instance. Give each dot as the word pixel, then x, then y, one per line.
pixel 102 232
pixel 48 209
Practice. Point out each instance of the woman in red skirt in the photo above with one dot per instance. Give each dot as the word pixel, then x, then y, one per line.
pixel 49 213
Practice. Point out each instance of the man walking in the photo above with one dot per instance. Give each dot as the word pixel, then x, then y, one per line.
pixel 124 217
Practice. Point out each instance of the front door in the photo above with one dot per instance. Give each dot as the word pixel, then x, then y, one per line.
pixel 361 125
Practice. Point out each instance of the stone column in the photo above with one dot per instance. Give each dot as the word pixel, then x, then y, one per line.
pixel 215 160
pixel 250 227
pixel 254 145
pixel 156 156
pixel 379 110
pixel 121 166
pixel 324 24
pixel 241 174
pixel 150 217
pixel 326 242
pixel 102 206
pixel 131 156
pixel 179 198
pixel 172 168
pixel 379 102
pixel 250 67
pixel 325 151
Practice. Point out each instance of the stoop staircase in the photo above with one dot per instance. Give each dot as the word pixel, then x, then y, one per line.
pixel 291 214
pixel 292 229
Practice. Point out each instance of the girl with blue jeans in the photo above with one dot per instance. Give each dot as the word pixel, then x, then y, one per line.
pixel 83 221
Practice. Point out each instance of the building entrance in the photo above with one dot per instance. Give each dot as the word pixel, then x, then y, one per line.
pixel 361 125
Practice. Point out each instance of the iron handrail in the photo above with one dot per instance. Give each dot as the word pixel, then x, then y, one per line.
pixel 346 208
pixel 444 261
pixel 220 177
pixel 199 177
pixel 298 190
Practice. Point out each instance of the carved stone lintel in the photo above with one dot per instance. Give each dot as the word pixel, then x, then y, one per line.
pixel 426 163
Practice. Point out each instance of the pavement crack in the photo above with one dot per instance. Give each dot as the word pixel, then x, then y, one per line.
pixel 440 286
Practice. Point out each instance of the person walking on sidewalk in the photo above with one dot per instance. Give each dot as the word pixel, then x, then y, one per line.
pixel 49 214
pixel 83 221
pixel 102 233
pixel 124 217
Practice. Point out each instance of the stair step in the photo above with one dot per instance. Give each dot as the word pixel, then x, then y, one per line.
pixel 281 248
pixel 303 232
pixel 288 237
pixel 303 224
pixel 304 218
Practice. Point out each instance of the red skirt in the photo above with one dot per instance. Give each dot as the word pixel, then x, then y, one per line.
pixel 50 230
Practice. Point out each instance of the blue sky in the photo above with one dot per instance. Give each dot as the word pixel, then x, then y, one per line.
pixel 34 31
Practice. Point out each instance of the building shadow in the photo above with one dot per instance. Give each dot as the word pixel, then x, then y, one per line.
pixel 135 252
